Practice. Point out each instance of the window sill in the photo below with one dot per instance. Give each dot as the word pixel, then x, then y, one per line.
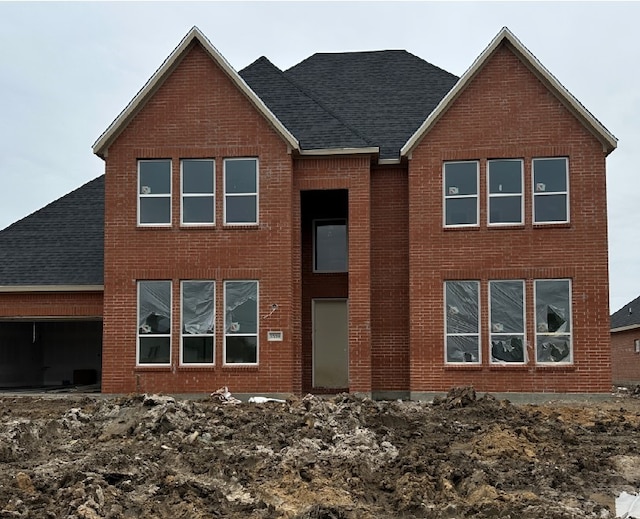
pixel 463 367
pixel 551 225
pixel 509 226
pixel 240 367
pixel 192 226
pixel 162 368
pixel 241 226
pixel 202 367
pixel 155 226
pixel 461 229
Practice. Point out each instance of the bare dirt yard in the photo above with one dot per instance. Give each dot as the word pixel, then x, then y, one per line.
pixel 322 458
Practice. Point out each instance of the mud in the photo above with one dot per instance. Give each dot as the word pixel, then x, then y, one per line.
pixel 315 458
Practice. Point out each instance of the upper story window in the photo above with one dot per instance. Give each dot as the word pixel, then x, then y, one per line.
pixel 506 321
pixel 198 191
pixel 550 190
pixel 154 192
pixel 240 191
pixel 461 194
pixel 462 321
pixel 553 321
pixel 154 322
pixel 505 192
pixel 198 322
pixel 330 249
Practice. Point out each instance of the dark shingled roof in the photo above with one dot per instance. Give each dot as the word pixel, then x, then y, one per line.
pixel 628 315
pixel 353 99
pixel 60 244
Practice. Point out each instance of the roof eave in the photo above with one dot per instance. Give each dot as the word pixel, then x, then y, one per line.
pixel 340 151
pixel 101 146
pixel 608 140
pixel 625 328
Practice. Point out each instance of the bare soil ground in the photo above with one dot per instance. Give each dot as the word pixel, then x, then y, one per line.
pixel 312 458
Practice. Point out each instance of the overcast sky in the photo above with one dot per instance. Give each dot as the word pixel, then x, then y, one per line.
pixel 68 69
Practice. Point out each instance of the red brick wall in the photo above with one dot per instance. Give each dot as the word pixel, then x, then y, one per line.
pixel 625 362
pixel 198 113
pixel 51 304
pixel 506 112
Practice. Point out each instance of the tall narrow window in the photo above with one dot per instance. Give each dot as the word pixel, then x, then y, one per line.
pixel 154 322
pixel 330 248
pixel 241 191
pixel 198 192
pixel 505 192
pixel 460 194
pixel 462 323
pixel 241 322
pixel 198 303
pixel 154 192
pixel 550 190
pixel 506 321
pixel 553 321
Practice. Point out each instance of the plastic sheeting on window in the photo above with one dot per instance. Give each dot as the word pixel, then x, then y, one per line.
pixel 463 348
pixel 241 298
pixel 553 321
pixel 507 321
pixel 462 321
pixel 197 307
pixel 154 307
pixel 507 349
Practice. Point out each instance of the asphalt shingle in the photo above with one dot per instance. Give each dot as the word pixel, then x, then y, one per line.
pixel 628 315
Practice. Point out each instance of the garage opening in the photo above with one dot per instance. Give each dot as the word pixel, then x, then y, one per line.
pixel 50 355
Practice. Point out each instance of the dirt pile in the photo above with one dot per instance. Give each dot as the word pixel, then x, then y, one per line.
pixel 339 458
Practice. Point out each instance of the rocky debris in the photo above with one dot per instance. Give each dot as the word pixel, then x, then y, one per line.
pixel 155 456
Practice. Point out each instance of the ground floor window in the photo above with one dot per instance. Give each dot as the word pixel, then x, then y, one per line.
pixel 462 309
pixel 154 322
pixel 241 322
pixel 553 321
pixel 198 322
pixel 506 321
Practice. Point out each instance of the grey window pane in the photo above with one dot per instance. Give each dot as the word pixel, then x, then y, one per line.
pixel 241 299
pixel 197 307
pixel 461 211
pixel 507 307
pixel 550 172
pixel 463 349
pixel 197 350
pixel 155 177
pixel 550 208
pixel 155 210
pixel 507 349
pixel 197 209
pixel 240 176
pixel 505 176
pixel 331 246
pixel 463 176
pixel 241 209
pixel 241 350
pixel 553 348
pixel 462 306
pixel 155 350
pixel 154 307
pixel 505 209
pixel 553 306
pixel 197 176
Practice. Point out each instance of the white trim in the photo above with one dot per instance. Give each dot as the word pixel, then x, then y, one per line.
pixel 169 195
pixel 389 162
pixel 101 146
pixel 313 337
pixel 625 328
pixel 341 151
pixel 535 323
pixel 170 334
pixel 314 225
pixel 609 142
pixel 479 331
pixel 183 335
pixel 224 324
pixel 534 194
pixel 225 194
pixel 524 323
pixel 51 288
pixel 504 195
pixel 446 197
pixel 197 195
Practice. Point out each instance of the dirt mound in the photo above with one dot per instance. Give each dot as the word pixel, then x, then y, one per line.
pixel 312 458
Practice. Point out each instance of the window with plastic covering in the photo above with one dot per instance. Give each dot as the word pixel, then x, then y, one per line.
pixel 198 322
pixel 507 322
pixel 241 322
pixel 462 321
pixel 154 322
pixel 553 321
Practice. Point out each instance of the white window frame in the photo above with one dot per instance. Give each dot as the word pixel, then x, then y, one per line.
pixel 184 195
pixel 494 333
pixel 446 196
pixel 138 334
pixel 476 334
pixel 551 334
pixel 189 335
pixel 141 195
pixel 491 196
pixel 314 228
pixel 256 334
pixel 227 195
pixel 539 193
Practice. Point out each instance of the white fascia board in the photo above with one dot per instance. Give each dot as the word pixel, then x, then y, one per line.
pixel 101 146
pixel 51 288
pixel 340 151
pixel 608 140
pixel 625 328
pixel 389 162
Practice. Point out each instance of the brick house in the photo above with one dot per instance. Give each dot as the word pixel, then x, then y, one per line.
pixel 625 344
pixel 361 222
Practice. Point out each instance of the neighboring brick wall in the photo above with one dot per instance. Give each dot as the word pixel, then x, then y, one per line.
pixel 625 362
pixel 51 305
pixel 507 113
